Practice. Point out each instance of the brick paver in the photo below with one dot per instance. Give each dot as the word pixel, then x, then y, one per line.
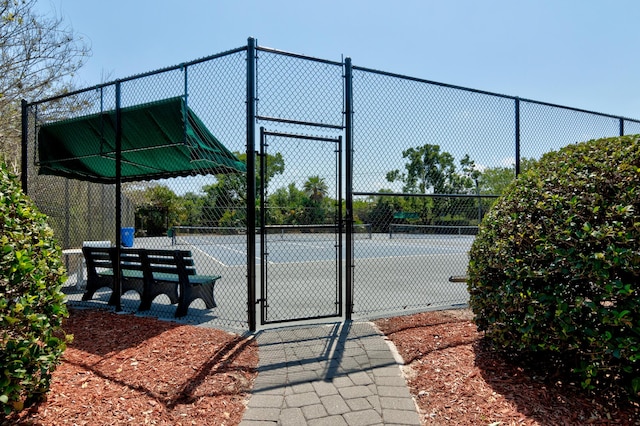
pixel 328 375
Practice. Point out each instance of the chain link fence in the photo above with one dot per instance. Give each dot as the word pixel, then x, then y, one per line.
pixel 419 153
pixel 84 213
pixel 369 186
pixel 429 159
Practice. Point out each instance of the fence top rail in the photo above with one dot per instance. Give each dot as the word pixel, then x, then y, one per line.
pixel 601 114
pixel 435 83
pixel 484 92
pixel 297 55
pixel 141 75
pixel 336 63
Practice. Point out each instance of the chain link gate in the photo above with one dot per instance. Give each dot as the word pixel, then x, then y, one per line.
pixel 301 249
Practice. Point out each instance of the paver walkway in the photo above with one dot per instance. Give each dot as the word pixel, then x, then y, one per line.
pixel 338 374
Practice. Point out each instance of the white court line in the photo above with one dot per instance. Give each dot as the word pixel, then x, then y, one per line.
pixel 225 247
pixel 209 256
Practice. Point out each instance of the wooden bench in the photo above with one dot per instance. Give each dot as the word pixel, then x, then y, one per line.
pixel 150 273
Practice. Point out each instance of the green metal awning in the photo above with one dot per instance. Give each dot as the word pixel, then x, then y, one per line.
pixel 159 140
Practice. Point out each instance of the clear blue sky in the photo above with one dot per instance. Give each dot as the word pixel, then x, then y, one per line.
pixel 579 53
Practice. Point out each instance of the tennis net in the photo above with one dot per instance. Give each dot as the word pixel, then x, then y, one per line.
pixel 196 235
pixel 424 231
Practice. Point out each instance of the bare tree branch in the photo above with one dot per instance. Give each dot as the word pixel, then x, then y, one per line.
pixel 39 56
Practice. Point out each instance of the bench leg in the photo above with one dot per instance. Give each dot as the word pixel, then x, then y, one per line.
pixel 145 303
pixel 88 294
pixel 181 310
pixel 95 285
pixel 193 292
pixel 112 299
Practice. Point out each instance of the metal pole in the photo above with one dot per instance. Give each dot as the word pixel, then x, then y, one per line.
pixel 251 184
pixel 25 144
pixel 263 222
pixel 621 126
pixel 340 220
pixel 185 105
pixel 117 285
pixel 348 89
pixel 517 136
pixel 479 201
pixel 67 216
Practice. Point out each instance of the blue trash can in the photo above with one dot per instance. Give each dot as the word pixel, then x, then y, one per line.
pixel 126 237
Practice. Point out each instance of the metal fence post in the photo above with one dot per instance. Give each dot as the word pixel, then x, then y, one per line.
pixel 348 75
pixel 517 100
pixel 25 142
pixel 117 285
pixel 251 184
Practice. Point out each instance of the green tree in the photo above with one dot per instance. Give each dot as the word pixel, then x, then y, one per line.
pixel 429 170
pixel 318 208
pixel 191 213
pixel 316 188
pixel 40 56
pixel 362 209
pixel 468 208
pixel 157 207
pixel 285 206
pixel 470 175
pixel 494 180
pixel 382 210
pixel 225 201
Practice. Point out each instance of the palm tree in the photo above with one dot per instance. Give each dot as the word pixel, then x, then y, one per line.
pixel 316 188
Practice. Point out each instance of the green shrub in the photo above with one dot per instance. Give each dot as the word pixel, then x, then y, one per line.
pixel 554 272
pixel 31 303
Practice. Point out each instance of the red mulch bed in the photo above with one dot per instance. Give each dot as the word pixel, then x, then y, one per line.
pixel 458 380
pixel 123 369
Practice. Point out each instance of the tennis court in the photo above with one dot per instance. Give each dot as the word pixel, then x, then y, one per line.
pixel 303 268
pixel 299 244
pixel 303 273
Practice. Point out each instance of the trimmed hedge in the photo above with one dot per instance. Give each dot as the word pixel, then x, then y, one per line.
pixel 31 302
pixel 554 272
